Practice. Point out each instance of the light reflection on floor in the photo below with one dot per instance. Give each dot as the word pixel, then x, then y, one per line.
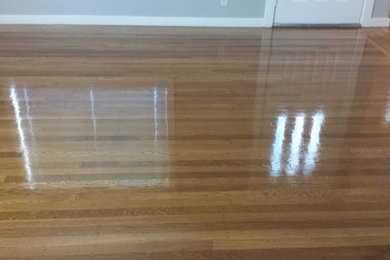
pixel 388 111
pixel 302 154
pixel 157 106
pixel 24 148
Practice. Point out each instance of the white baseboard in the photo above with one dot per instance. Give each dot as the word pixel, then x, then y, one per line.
pixel 131 20
pixel 376 22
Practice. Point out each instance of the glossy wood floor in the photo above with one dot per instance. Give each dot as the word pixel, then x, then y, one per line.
pixel 190 143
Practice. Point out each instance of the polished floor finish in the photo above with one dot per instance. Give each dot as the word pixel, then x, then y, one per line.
pixel 194 143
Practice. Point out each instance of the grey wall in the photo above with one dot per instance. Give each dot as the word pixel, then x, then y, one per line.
pixel 176 8
pixel 381 8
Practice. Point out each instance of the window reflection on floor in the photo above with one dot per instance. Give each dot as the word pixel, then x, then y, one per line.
pixel 388 112
pixel 314 145
pixel 277 147
pixel 295 145
pixel 301 90
pixel 141 115
pixel 24 147
pixel 302 153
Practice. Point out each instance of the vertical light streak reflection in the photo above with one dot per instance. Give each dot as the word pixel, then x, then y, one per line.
pixel 166 115
pixel 155 110
pixel 313 147
pixel 296 143
pixel 277 146
pixel 92 101
pixel 388 112
pixel 94 124
pixel 29 118
pixel 22 139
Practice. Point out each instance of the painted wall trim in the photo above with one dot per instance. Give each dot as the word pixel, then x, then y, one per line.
pixel 367 20
pixel 377 22
pixel 131 20
pixel 269 12
pixel 368 8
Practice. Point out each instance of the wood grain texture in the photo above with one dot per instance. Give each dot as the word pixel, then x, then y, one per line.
pixel 194 143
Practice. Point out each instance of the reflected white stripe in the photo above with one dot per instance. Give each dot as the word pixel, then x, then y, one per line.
pixel 92 100
pixel 166 115
pixel 296 143
pixel 22 139
pixel 29 118
pixel 314 145
pixel 155 104
pixel 277 147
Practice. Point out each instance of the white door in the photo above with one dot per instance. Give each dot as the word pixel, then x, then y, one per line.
pixel 290 12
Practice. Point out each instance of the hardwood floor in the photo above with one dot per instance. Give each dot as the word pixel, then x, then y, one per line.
pixel 194 143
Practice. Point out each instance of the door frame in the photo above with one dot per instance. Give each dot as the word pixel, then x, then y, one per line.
pixel 269 12
pixel 366 19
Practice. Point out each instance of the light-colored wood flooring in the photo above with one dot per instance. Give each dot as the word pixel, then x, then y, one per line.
pixel 194 143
